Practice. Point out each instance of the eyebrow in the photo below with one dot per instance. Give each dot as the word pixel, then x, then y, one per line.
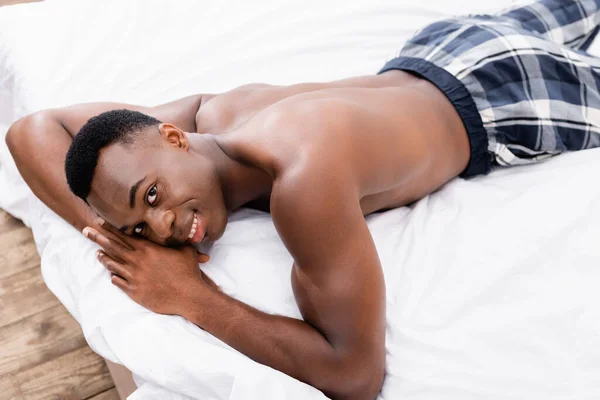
pixel 133 191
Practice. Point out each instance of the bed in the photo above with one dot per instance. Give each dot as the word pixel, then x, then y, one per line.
pixel 491 283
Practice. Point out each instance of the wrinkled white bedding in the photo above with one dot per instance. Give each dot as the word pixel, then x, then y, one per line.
pixel 491 283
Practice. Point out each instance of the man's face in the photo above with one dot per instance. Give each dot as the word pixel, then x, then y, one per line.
pixel 159 190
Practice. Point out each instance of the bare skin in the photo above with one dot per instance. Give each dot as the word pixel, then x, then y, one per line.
pixel 321 156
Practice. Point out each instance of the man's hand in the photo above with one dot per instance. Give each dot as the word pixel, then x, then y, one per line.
pixel 156 277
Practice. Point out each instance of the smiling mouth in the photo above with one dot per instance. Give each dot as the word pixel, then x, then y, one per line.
pixel 197 231
pixel 194 226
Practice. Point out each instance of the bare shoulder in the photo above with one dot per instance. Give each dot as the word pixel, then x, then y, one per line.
pixel 305 129
pixel 314 203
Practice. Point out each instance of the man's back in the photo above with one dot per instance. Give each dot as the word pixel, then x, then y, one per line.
pixel 394 142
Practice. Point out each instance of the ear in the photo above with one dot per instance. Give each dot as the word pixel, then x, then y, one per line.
pixel 174 136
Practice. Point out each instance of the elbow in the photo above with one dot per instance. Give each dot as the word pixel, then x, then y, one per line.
pixel 365 387
pixel 359 381
pixel 11 138
pixel 20 131
pixel 16 134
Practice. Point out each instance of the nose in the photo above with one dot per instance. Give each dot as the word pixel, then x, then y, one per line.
pixel 162 222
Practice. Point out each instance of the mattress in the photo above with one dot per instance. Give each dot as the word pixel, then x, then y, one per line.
pixel 491 283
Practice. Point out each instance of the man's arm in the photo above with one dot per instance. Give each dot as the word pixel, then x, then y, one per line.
pixel 39 144
pixel 336 278
pixel 338 284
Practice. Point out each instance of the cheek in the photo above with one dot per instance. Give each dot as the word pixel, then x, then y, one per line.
pixel 187 180
pixel 197 186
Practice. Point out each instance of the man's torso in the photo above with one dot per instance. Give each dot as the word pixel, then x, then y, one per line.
pixel 394 136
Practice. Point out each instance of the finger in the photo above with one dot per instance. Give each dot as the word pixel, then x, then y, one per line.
pixel 119 282
pixel 115 234
pixel 114 266
pixel 202 258
pixel 111 247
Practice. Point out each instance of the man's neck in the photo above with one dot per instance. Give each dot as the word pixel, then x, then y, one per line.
pixel 240 183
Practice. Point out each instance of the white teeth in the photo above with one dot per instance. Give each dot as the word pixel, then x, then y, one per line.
pixel 194 225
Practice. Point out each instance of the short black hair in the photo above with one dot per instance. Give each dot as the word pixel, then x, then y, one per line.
pixel 116 126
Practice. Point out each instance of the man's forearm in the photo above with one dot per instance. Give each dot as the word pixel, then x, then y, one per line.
pixel 289 345
pixel 39 146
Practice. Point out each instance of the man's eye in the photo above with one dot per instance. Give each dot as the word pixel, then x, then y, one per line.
pixel 152 195
pixel 139 228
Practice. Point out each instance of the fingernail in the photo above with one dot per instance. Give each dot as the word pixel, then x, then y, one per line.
pixel 98 254
pixel 100 221
pixel 86 231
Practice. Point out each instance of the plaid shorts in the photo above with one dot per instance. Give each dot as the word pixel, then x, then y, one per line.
pixel 521 80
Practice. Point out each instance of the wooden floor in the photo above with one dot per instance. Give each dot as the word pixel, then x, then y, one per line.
pixel 11 2
pixel 43 355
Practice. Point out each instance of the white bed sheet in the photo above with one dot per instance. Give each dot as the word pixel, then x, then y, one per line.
pixel 62 52
pixel 491 283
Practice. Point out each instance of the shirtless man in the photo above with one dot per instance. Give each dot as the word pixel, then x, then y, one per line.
pixel 465 93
